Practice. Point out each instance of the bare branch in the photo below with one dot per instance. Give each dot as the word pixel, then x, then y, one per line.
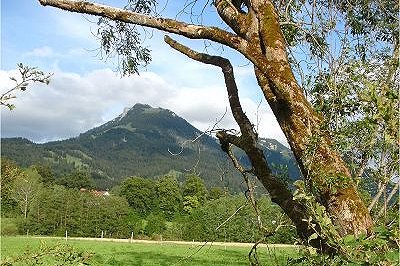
pixel 27 76
pixel 230 217
pixel 250 189
pixel 278 191
pixel 244 123
pixel 209 130
pixel 200 247
pixel 392 193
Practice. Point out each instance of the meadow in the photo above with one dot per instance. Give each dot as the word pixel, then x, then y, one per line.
pixel 25 250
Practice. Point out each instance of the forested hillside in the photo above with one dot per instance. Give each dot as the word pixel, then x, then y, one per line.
pixel 143 141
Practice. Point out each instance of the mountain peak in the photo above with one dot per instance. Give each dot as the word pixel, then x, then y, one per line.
pixel 138 108
pixel 141 106
pixel 124 113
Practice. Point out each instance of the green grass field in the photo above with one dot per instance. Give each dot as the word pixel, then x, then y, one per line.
pixel 114 253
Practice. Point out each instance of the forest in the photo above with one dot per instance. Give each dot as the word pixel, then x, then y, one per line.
pixel 35 202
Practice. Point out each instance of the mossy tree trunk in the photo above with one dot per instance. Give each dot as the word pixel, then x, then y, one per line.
pixel 258 36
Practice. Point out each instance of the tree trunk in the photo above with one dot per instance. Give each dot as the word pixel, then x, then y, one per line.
pixel 387 201
pixel 259 38
pixel 322 167
pixel 26 207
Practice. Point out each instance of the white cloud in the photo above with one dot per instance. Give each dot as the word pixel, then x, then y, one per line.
pixel 48 52
pixel 73 103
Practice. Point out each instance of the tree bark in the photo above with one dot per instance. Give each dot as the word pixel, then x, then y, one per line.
pixel 26 207
pixel 259 38
pixel 387 201
pixel 321 166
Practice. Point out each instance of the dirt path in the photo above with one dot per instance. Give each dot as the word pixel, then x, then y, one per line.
pixel 192 243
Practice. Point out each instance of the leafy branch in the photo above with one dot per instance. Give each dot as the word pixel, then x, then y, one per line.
pixel 27 75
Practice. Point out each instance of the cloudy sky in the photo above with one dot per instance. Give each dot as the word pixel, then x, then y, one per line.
pixel 86 91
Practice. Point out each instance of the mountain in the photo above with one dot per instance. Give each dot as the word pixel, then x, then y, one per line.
pixel 142 141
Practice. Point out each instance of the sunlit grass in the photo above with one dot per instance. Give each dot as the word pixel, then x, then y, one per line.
pixel 114 253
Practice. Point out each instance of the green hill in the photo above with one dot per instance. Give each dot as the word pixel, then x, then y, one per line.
pixel 142 141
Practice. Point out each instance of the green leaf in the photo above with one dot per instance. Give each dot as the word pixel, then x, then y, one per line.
pixel 312 237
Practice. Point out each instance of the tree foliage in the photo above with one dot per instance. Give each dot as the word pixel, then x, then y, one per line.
pixel 169 196
pixel 9 173
pixel 76 179
pixel 140 194
pixel 214 221
pixel 56 209
pixel 46 173
pixel 194 186
pixel 26 187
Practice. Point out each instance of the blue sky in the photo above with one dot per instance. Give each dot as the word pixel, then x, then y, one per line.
pixel 85 91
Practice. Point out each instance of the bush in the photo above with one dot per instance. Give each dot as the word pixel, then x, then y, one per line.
pixel 174 230
pixel 214 221
pixel 156 224
pixel 8 227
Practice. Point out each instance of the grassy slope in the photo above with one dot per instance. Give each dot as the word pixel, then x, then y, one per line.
pixel 112 253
